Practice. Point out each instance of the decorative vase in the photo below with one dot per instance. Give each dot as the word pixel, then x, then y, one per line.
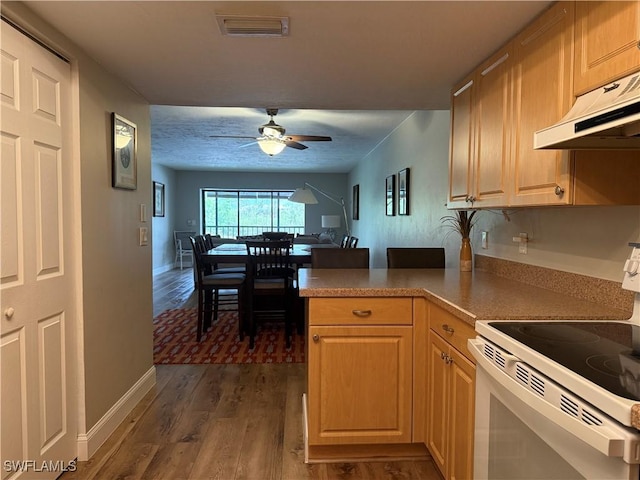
pixel 465 255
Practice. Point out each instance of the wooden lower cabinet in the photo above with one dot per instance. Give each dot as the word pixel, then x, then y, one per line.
pixel 450 400
pixel 360 371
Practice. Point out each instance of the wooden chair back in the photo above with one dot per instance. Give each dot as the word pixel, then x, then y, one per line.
pixel 339 258
pixel 418 257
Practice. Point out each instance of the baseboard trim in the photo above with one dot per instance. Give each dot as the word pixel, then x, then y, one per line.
pixel 164 268
pixel 88 443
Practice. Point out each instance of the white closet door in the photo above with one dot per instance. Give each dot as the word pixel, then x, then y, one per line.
pixel 37 343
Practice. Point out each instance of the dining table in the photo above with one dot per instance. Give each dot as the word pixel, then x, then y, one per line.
pixel 236 253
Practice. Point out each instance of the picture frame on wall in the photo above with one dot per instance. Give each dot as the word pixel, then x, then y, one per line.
pixel 356 202
pixel 404 178
pixel 158 199
pixel 390 195
pixel 125 143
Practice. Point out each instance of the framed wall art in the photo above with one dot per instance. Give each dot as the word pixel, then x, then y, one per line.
pixel 390 195
pixel 124 174
pixel 356 202
pixel 403 191
pixel 158 199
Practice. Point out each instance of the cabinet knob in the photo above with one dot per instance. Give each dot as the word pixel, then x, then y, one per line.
pixel 559 190
pixel 316 338
pixel 361 313
pixel 8 313
pixel 448 329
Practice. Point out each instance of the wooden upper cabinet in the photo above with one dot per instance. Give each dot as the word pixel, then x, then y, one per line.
pixel 461 143
pixel 607 42
pixel 492 133
pixel 542 96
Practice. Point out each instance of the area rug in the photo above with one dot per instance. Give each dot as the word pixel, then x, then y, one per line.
pixel 174 341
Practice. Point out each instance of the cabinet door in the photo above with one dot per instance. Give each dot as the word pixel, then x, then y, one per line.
pixel 542 96
pixel 461 416
pixel 360 384
pixel 461 146
pixel 607 39
pixel 492 93
pixel 438 394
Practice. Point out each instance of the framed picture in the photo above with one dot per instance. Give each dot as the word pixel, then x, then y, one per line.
pixel 158 199
pixel 356 202
pixel 125 142
pixel 391 195
pixel 403 191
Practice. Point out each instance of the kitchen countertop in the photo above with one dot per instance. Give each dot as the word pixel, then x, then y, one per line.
pixel 470 296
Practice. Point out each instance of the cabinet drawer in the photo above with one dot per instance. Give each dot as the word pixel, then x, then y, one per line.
pixel 360 311
pixel 455 331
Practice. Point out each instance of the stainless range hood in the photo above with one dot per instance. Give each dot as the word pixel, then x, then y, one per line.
pixel 605 118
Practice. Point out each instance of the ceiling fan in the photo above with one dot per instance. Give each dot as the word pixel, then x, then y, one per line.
pixel 272 139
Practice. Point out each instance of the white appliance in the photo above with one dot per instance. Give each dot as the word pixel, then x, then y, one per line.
pixel 605 118
pixel 553 399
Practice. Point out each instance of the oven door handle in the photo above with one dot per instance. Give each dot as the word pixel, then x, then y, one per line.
pixel 609 438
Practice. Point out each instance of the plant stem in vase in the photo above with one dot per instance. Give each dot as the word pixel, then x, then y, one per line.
pixel 465 255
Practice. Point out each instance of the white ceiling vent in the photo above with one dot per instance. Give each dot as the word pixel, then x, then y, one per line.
pixel 246 26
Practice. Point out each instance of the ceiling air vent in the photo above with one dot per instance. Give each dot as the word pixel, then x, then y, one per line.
pixel 244 26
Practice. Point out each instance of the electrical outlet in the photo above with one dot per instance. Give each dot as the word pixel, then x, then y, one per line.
pixel 485 240
pixel 522 240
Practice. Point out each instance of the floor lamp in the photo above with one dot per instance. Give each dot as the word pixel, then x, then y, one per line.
pixel 306 196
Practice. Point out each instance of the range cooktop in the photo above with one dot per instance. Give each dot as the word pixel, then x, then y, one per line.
pixel 601 352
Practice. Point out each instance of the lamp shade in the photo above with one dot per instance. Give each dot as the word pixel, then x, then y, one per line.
pixel 271 146
pixel 330 221
pixel 303 195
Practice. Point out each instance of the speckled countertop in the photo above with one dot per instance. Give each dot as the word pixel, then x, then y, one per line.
pixel 470 296
pixel 478 295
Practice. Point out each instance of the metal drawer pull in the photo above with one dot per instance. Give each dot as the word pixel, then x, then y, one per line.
pixel 447 329
pixel 361 313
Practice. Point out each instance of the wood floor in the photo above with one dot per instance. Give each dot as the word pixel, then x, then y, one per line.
pixel 222 422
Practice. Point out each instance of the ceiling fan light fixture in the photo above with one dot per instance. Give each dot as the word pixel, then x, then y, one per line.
pixel 271 146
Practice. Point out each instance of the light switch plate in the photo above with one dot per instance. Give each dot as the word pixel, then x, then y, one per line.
pixel 144 236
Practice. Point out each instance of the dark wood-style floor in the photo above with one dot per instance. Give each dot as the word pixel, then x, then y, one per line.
pixel 222 422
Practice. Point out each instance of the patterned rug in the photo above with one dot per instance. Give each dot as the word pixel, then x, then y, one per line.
pixel 174 341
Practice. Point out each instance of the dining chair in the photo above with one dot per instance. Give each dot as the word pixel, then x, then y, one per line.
pixel 272 286
pixel 340 258
pixel 415 257
pixel 182 246
pixel 209 285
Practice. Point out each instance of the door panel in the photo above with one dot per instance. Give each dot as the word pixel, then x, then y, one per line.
pixel 38 308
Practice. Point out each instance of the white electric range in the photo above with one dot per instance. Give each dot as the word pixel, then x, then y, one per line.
pixel 554 399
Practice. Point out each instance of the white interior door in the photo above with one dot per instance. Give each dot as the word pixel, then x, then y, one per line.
pixel 37 344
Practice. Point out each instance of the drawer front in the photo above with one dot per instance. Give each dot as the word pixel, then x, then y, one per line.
pixel 455 331
pixel 360 311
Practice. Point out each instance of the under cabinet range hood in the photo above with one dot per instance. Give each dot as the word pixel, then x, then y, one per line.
pixel 605 118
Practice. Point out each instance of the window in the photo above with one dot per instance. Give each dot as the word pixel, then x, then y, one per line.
pixel 231 213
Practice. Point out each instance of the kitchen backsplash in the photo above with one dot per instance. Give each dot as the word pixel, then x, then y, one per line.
pixel 597 290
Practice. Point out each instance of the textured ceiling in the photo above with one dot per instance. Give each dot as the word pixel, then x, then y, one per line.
pixel 347 69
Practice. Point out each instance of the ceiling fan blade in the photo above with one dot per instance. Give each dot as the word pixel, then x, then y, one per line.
pixel 309 138
pixel 296 145
pixel 232 136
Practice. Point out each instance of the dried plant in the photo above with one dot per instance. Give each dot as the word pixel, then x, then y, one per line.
pixel 461 222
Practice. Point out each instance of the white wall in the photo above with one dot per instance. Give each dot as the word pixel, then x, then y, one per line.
pixel 162 235
pixel 585 240
pixel 421 144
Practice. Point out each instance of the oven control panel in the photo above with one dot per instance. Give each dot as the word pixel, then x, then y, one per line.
pixel 631 280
